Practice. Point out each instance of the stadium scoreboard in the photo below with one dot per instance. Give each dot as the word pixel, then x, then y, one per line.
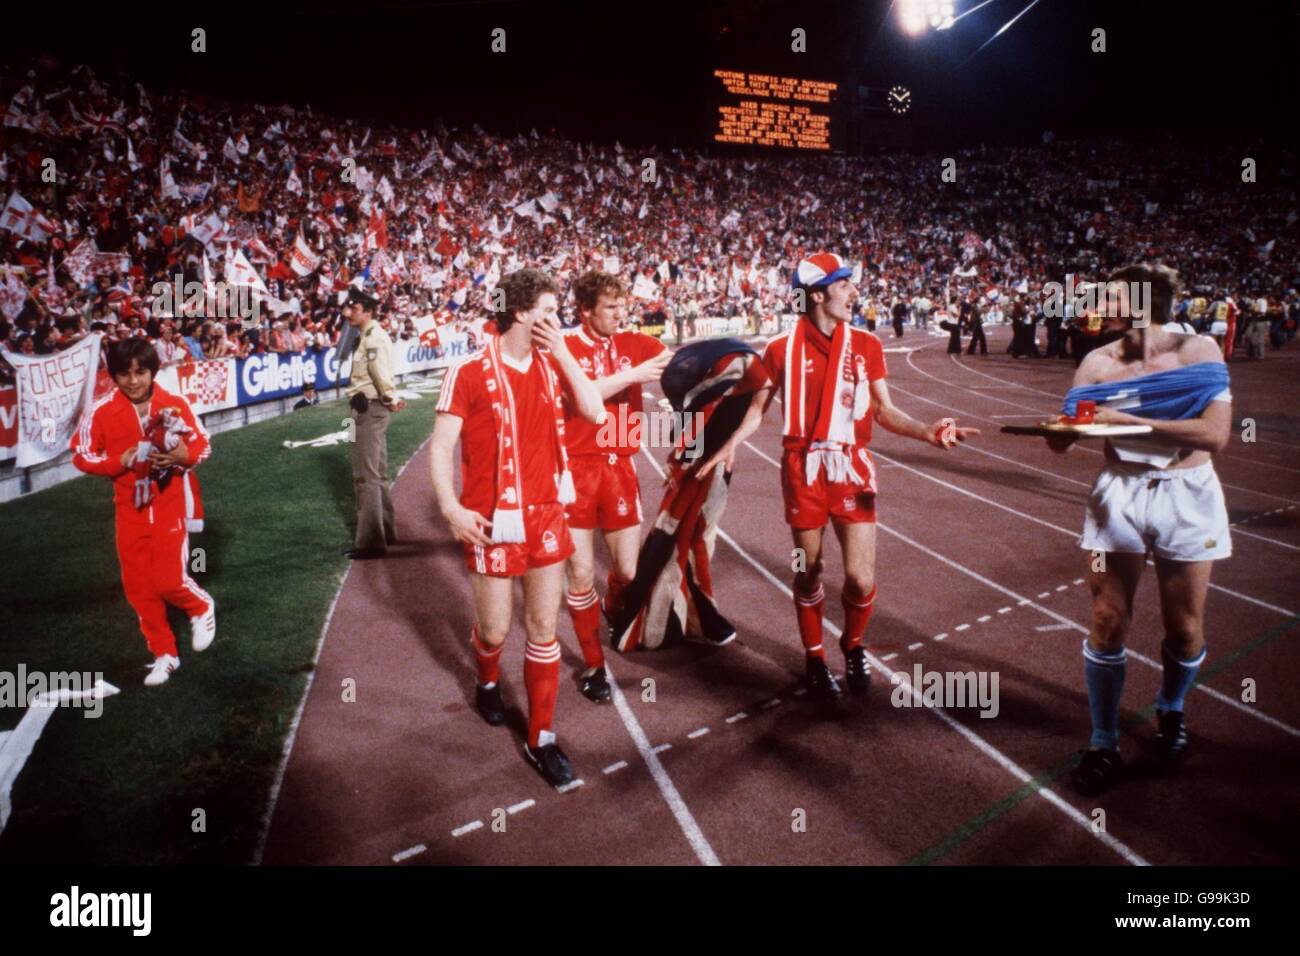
pixel 762 109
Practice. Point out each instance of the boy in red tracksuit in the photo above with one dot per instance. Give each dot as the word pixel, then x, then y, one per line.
pixel 147 440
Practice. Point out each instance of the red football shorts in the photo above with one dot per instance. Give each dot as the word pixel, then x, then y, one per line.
pixel 548 542
pixel 812 505
pixel 608 494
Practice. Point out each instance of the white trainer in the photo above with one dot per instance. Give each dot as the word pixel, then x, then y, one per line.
pixel 161 670
pixel 203 629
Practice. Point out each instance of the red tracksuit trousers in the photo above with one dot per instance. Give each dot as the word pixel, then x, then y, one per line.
pixel 154 552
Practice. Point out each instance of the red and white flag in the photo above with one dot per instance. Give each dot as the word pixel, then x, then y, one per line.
pixel 301 258
pixel 294 185
pixel 241 272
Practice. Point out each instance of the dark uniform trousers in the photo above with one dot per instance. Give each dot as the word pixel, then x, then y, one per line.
pixel 375 528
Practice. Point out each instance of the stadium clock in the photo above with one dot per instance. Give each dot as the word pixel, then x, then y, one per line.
pixel 900 99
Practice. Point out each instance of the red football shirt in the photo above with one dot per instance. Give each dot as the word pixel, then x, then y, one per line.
pixel 599 357
pixel 464 394
pixel 869 365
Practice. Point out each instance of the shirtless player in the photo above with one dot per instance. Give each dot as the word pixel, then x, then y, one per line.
pixel 1157 494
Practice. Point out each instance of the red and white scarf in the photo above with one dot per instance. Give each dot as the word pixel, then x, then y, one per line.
pixel 845 398
pixel 508 518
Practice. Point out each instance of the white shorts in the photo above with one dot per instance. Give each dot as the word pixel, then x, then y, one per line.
pixel 1178 514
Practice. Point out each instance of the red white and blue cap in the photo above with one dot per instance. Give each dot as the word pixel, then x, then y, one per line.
pixel 820 270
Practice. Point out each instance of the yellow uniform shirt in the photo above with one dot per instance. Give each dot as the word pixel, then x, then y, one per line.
pixel 372 366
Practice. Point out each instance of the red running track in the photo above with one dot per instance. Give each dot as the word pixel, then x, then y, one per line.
pixel 978 570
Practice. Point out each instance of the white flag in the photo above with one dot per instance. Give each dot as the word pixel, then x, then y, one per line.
pixel 294 185
pixel 241 272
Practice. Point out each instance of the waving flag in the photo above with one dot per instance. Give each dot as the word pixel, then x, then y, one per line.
pixel 301 258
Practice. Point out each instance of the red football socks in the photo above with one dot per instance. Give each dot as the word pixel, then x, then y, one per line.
pixel 808 611
pixel 857 612
pixel 614 585
pixel 487 658
pixel 542 678
pixel 585 611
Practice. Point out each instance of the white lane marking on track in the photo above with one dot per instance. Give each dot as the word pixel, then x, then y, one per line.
pixel 1142 658
pixel 614 767
pixel 1004 610
pixel 939 637
pixel 1223 698
pixel 912 647
pixel 571 785
pixel 302 701
pixel 738 715
pixel 661 748
pixel 521 805
pixel 975 739
pixel 1078 580
pixel 1053 627
pixel 408 853
pixel 467 828
pixel 1061 587
pixel 799 691
pixel 690 829
pixel 697 733
pixel 1043 594
pixel 962 627
pixel 769 704
pixel 889 657
pixel 983 618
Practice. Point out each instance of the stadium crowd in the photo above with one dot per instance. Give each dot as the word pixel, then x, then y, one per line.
pixel 111 189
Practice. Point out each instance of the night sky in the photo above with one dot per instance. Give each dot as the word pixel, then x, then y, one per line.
pixel 642 71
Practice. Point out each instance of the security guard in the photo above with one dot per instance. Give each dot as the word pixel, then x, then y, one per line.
pixel 373 398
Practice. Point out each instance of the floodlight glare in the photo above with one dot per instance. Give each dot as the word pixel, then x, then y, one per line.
pixel 911 16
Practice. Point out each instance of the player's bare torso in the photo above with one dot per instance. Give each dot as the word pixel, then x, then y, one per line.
pixel 1169 350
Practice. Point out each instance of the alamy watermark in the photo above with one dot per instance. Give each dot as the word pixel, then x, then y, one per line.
pixel 660 428
pixel 947 689
pixel 24 688
pixel 1129 300
pixel 214 300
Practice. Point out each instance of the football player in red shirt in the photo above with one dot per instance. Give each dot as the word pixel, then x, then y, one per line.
pixel 832 379
pixel 604 476
pixel 506 407
pixel 124 437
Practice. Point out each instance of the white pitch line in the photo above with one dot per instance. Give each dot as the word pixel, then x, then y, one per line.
pixel 408 853
pixel 467 828
pixel 690 829
pixel 614 767
pixel 973 738
pixel 697 733
pixel 1142 658
pixel 521 805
